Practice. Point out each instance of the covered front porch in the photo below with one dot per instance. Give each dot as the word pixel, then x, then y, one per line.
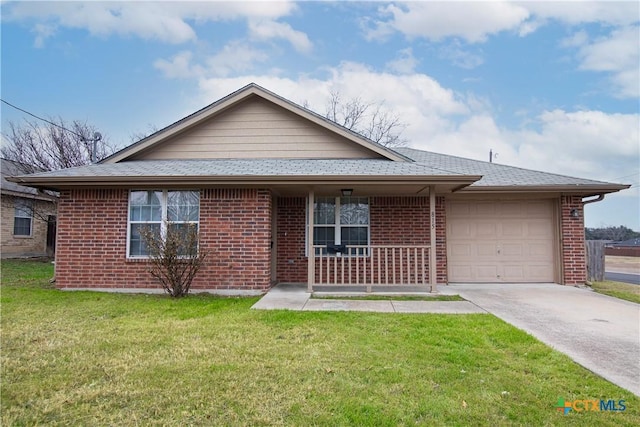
pixel 369 237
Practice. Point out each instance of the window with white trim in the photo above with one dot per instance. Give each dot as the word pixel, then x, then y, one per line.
pixel 22 217
pixel 341 221
pixel 159 209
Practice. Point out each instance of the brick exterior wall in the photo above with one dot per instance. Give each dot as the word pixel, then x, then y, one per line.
pixel 34 245
pixel 235 226
pixel 573 251
pixel 393 221
pixel 92 233
pixel 441 240
pixel 291 264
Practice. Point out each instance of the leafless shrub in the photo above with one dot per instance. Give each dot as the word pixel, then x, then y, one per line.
pixel 175 257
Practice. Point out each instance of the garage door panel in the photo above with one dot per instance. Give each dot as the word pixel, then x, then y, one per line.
pixel 539 273
pixel 486 272
pixel 462 273
pixel 484 210
pixel 460 231
pixel 539 229
pixel 462 210
pixel 486 249
pixel 513 250
pixel 486 229
pixel 540 251
pixel 500 241
pixel 461 250
pixel 512 229
pixel 513 272
pixel 512 209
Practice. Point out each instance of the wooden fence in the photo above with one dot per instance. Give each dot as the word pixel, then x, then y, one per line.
pixel 595 260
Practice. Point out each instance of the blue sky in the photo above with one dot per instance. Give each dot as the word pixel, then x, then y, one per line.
pixel 552 86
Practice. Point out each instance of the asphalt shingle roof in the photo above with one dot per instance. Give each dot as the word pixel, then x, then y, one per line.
pixel 424 165
pixel 493 174
pixel 10 168
pixel 251 167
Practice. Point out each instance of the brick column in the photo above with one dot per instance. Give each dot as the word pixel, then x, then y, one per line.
pixel 573 251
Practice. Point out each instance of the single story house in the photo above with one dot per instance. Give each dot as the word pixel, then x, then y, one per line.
pixel 281 194
pixel 28 216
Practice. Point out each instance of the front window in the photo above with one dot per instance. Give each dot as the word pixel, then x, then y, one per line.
pixel 341 221
pixel 23 218
pixel 157 210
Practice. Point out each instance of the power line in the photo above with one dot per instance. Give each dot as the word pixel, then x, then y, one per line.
pixel 627 176
pixel 84 138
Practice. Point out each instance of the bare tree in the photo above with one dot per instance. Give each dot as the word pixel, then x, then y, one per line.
pixel 139 135
pixel 52 146
pixel 371 120
pixel 175 255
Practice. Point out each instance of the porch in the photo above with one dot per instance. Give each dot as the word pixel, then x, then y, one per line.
pixel 371 241
pixel 386 268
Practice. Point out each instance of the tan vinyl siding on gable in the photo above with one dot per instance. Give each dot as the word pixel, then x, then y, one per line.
pixel 257 129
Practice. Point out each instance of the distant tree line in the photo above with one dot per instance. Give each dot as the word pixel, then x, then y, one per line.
pixel 617 234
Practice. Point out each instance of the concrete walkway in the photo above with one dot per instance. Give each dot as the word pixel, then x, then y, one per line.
pixel 599 332
pixel 295 297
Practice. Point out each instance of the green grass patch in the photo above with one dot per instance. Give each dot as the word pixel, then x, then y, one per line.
pixel 620 290
pixel 391 298
pixel 87 358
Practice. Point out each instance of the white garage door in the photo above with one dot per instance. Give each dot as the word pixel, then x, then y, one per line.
pixel 500 241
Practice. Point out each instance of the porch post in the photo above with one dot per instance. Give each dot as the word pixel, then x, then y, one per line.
pixel 433 259
pixel 311 253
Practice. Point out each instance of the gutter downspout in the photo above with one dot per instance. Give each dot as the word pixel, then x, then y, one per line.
pixel 599 198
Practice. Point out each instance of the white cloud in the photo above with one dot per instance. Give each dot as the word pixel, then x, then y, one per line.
pixel 42 32
pixel 235 57
pixel 164 21
pixel 591 144
pixel 405 63
pixel 577 39
pixel 619 54
pixel 475 21
pixel 472 21
pixel 179 66
pixel 267 29
pixel 461 57
pixel 578 12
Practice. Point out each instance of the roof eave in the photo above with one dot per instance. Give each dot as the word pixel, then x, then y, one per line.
pixel 580 189
pixel 192 180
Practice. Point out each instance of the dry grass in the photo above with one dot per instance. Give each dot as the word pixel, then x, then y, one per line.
pixel 622 264
pixel 84 358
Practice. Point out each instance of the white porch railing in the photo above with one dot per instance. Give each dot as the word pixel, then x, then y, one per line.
pixel 378 265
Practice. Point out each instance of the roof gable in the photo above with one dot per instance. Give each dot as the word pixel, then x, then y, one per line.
pixel 254 123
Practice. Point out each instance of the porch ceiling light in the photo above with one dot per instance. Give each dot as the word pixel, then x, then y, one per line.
pixel 346 192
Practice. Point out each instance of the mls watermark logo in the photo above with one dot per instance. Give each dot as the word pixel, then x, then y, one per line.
pixel 590 405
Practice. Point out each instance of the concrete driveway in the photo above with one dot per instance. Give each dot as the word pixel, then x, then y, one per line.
pixel 599 332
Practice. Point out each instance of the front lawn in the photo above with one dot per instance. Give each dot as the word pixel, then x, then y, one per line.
pixel 620 290
pixel 84 358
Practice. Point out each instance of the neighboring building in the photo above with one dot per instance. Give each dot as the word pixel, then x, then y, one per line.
pixel 629 247
pixel 28 217
pixel 281 194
